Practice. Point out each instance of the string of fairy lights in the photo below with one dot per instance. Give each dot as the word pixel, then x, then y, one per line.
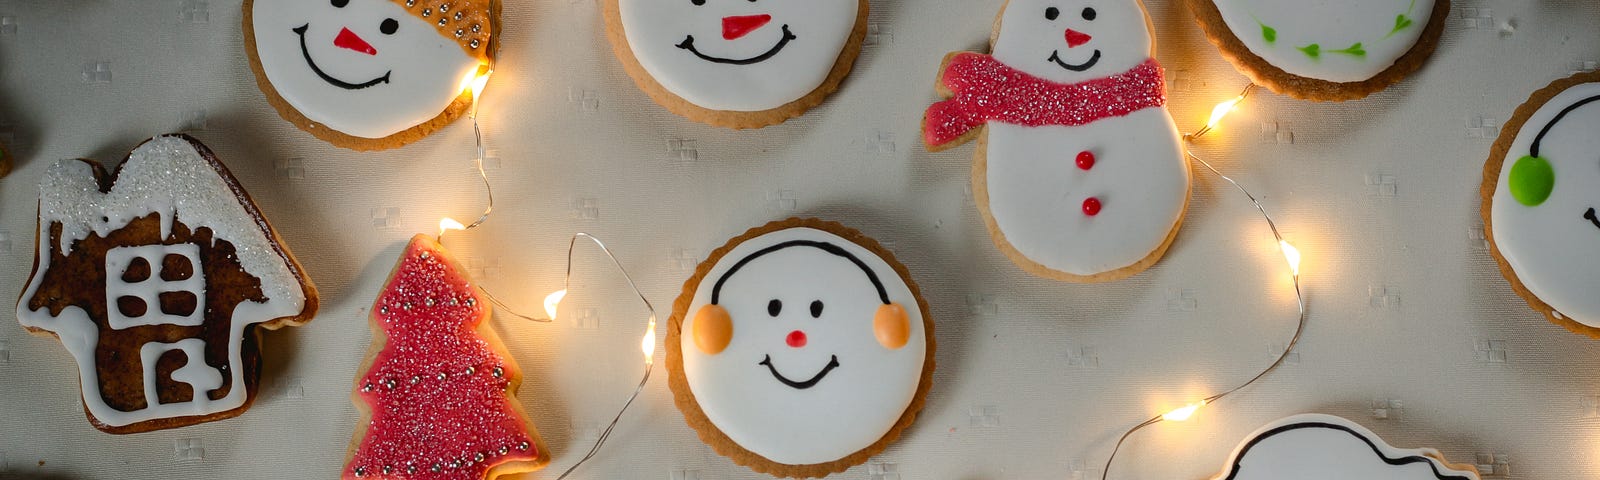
pixel 1290 254
pixel 552 301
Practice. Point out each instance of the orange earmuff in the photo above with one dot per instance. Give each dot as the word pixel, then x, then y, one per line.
pixel 713 329
pixel 891 326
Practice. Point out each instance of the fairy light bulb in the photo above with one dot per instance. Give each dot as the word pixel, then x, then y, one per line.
pixel 477 84
pixel 1222 110
pixel 447 224
pixel 553 301
pixel 1292 255
pixel 1183 413
pixel 648 344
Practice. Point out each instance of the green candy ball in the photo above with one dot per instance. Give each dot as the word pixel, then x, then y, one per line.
pixel 1532 178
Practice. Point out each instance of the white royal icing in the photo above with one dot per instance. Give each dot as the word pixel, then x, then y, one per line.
pixel 820 29
pixel 1552 247
pixel 1333 26
pixel 853 405
pixel 1325 447
pixel 425 69
pixel 168 177
pixel 1036 190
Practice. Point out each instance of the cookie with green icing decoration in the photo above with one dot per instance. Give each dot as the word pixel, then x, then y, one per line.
pixel 1541 202
pixel 1323 50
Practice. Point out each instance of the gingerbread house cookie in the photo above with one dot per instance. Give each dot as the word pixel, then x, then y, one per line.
pixel 158 279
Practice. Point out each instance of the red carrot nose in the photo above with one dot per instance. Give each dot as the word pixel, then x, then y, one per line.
pixel 739 26
pixel 349 39
pixel 1075 38
pixel 796 339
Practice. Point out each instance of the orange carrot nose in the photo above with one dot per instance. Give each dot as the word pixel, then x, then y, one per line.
pixel 739 26
pixel 349 39
pixel 1075 38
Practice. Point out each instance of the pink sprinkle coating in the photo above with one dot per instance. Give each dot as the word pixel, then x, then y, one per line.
pixel 987 90
pixel 439 395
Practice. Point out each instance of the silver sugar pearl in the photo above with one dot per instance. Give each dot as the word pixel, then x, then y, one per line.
pixel 459 33
pixel 424 255
pixel 455 464
pixel 476 28
pixel 390 383
pixel 458 16
pixel 366 388
pixel 471 370
pixel 444 7
pixel 441 376
pixel 478 457
pixel 497 372
pixel 406 306
pixel 384 310
pixel 523 446
pixel 473 43
pixel 436 468
pixel 472 301
pixel 361 471
pixel 441 21
pixel 504 449
pixel 427 12
pixel 415 379
pixel 411 3
pixel 411 469
pixel 428 302
pixel 387 470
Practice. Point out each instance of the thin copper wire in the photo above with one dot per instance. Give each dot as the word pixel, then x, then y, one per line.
pixel 1300 299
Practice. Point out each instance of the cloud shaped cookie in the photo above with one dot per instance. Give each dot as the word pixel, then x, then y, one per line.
pixel 1325 447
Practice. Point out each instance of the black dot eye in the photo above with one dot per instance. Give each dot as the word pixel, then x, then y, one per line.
pixel 816 308
pixel 388 26
pixel 698 2
pixel 1088 14
pixel 339 3
pixel 774 307
pixel 1051 13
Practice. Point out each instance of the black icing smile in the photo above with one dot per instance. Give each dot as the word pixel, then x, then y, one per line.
pixel 688 44
pixel 1093 59
pixel 832 364
pixel 1590 216
pixel 301 31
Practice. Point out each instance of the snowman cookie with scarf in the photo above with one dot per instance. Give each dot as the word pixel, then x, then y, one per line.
pixel 1079 171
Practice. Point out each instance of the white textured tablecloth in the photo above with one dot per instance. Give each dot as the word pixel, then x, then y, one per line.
pixel 1413 331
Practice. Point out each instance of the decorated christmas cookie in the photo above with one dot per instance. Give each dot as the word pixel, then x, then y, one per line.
pixel 1539 201
pixel 369 74
pixel 1324 50
pixel 438 392
pixel 1325 447
pixel 800 349
pixel 158 280
pixel 1079 172
pixel 737 63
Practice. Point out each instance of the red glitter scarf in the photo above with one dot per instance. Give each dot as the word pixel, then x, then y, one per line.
pixel 986 90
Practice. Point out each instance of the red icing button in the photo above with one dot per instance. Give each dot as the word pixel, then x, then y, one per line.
pixel 739 26
pixel 796 339
pixel 1075 38
pixel 1091 206
pixel 349 39
pixel 1085 160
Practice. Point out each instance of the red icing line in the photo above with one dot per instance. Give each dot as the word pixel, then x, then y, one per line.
pixel 796 339
pixel 739 26
pixel 986 90
pixel 437 391
pixel 349 39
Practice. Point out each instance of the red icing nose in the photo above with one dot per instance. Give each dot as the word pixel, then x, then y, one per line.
pixel 349 39
pixel 739 26
pixel 796 339
pixel 1075 38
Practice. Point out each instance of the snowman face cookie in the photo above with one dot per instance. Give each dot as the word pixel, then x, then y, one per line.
pixel 1069 41
pixel 1321 49
pixel 1542 204
pixel 802 348
pixel 368 70
pixel 727 62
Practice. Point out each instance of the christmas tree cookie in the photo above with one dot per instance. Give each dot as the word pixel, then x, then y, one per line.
pixel 1079 173
pixel 438 392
